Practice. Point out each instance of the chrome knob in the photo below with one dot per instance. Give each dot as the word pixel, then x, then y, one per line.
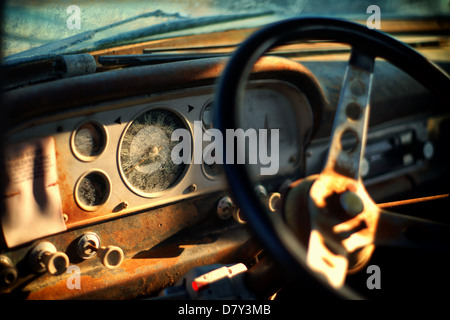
pixel 225 208
pixel 88 245
pixel 8 273
pixel 111 256
pixel 45 257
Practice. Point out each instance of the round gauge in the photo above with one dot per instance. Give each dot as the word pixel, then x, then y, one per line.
pixel 92 190
pixel 89 141
pixel 145 153
pixel 207 116
pixel 269 110
pixel 213 170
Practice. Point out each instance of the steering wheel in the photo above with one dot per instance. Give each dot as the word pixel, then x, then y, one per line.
pixel 330 225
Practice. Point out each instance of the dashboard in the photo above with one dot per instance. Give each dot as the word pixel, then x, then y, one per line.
pixel 101 176
pixel 118 161
pixel 91 173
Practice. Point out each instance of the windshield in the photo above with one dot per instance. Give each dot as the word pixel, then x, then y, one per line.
pixel 88 25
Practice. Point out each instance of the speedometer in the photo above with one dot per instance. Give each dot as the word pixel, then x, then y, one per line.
pixel 273 108
pixel 145 152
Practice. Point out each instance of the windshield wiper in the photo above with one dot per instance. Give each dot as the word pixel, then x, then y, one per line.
pixel 64 46
pixel 177 25
pixel 49 50
pixel 143 59
pixel 299 49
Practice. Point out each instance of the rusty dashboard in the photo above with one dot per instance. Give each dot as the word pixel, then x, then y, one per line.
pixel 88 183
pixel 89 177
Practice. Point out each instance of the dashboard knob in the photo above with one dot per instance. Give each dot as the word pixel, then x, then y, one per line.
pixel 225 208
pixel 88 245
pixel 428 150
pixel 261 191
pixel 8 273
pixel 111 256
pixel 45 257
pixel 273 201
pixel 239 217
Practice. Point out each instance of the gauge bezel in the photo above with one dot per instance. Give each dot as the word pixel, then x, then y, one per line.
pixel 187 126
pixel 210 176
pixel 108 190
pixel 105 140
pixel 208 103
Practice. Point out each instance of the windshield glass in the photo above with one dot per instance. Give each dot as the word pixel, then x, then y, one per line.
pixel 88 25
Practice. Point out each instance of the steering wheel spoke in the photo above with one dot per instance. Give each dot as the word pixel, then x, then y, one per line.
pixel 343 220
pixel 351 120
pixel 331 264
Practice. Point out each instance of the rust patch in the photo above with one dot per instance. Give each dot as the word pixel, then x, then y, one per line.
pixel 147 272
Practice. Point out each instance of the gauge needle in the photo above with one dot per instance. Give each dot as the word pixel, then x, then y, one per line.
pixel 151 152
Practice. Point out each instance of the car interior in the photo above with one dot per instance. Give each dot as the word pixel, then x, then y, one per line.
pixel 197 150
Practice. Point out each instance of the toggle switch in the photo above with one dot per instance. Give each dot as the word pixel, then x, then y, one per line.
pixel 89 245
pixel 44 257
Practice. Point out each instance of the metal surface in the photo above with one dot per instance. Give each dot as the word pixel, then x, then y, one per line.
pixel 111 256
pixel 352 116
pixel 156 254
pixel 139 226
pixel 114 118
pixel 411 201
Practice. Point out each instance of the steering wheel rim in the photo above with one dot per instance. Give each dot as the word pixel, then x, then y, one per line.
pixel 271 230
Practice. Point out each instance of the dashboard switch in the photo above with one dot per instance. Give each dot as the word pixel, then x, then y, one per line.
pixel 111 256
pixel 44 257
pixel 225 208
pixel 8 273
pixel 88 245
pixel 273 202
pixel 239 217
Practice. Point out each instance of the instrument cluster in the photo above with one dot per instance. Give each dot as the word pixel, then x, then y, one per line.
pixel 119 157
